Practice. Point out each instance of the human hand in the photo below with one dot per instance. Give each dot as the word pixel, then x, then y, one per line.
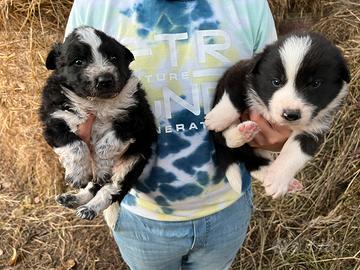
pixel 84 129
pixel 271 137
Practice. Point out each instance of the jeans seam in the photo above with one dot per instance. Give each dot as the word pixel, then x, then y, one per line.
pixel 248 197
pixel 207 229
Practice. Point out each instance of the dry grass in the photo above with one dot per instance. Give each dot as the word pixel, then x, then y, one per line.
pixel 317 229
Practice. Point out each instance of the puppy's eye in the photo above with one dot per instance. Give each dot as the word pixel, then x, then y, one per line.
pixel 78 62
pixel 113 58
pixel 316 83
pixel 276 82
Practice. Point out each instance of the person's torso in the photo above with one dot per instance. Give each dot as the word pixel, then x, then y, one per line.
pixel 181 49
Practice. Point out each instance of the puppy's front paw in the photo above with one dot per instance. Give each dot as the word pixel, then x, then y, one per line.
pixel 276 185
pixel 248 129
pixel 218 121
pixel 67 200
pixel 86 212
pixel 295 185
pixel 237 136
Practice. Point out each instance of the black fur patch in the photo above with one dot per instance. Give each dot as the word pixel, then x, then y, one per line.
pixel 309 143
pixel 268 66
pixel 325 63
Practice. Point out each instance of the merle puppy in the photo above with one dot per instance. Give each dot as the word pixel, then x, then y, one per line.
pixel 91 75
pixel 299 82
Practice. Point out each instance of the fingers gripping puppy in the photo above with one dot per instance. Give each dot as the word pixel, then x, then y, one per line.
pixel 298 82
pixel 92 76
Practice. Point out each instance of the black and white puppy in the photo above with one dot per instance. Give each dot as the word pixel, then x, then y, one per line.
pixel 299 82
pixel 92 76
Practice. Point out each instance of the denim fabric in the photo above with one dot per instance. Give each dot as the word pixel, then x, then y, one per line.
pixel 208 243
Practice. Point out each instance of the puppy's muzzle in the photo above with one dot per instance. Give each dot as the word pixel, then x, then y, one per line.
pixel 291 115
pixel 105 81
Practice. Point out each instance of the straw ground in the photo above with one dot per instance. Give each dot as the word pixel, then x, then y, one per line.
pixel 315 229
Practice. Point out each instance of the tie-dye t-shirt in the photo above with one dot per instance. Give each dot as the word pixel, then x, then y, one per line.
pixel 181 49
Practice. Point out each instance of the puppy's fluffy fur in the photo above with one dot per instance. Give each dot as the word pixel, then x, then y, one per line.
pixel 299 82
pixel 91 75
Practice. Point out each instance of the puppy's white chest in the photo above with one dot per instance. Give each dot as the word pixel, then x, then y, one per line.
pixel 99 129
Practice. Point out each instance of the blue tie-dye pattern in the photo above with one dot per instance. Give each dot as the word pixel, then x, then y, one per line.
pixel 140 186
pixel 172 17
pixel 186 118
pixel 201 10
pixel 199 157
pixel 127 12
pixel 180 193
pixel 160 200
pixel 202 178
pixel 157 176
pixel 208 25
pixel 167 210
pixel 170 144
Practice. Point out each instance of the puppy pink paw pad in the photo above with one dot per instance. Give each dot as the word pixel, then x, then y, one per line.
pixel 295 185
pixel 249 129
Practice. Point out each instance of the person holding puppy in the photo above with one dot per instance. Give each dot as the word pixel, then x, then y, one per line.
pixel 183 213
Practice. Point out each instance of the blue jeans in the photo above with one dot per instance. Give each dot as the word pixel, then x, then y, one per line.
pixel 208 243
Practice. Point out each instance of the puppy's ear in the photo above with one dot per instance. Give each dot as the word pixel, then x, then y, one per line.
pixel 52 56
pixel 255 62
pixel 129 57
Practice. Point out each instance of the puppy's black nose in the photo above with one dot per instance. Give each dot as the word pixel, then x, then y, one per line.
pixel 104 81
pixel 291 115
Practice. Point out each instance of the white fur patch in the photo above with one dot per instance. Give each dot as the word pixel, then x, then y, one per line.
pixel 88 35
pixel 76 160
pixel 237 135
pixel 106 151
pixel 71 119
pixel 233 137
pixel 292 53
pixel 283 170
pixel 84 195
pixel 222 115
pixel 122 168
pixel 233 175
pixel 111 215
